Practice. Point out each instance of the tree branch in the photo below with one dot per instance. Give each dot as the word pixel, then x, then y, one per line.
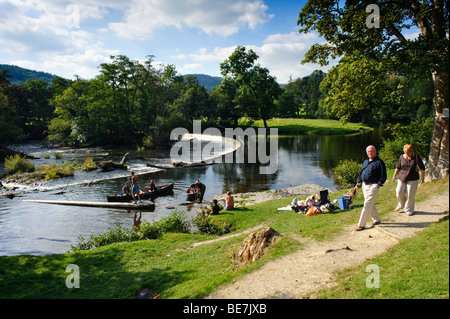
pixel 422 23
pixel 397 34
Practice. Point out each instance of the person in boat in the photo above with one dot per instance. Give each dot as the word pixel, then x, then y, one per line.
pixel 152 187
pixel 135 187
pixel 228 201
pixel 199 189
pixel 126 190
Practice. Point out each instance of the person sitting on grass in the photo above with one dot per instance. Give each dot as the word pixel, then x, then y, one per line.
pixel 228 201
pixel 216 209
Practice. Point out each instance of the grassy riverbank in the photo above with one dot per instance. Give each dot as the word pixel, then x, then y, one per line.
pixel 170 267
pixel 311 126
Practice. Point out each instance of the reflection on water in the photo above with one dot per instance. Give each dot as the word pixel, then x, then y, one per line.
pixel 33 228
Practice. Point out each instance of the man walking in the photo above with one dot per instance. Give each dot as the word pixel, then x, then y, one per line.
pixel 372 177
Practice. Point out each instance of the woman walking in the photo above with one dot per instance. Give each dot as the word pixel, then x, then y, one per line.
pixel 408 167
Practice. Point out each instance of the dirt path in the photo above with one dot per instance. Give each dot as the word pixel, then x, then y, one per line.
pixel 313 267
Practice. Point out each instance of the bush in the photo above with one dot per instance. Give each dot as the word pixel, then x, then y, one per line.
pixel 17 164
pixel 173 223
pixel 346 173
pixel 206 225
pixel 53 171
pixel 89 165
pixel 418 134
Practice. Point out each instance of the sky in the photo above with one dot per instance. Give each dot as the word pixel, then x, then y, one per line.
pixel 74 37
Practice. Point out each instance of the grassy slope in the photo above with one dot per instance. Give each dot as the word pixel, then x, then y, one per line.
pixel 312 126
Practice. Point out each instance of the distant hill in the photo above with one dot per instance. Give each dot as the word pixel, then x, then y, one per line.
pixel 207 81
pixel 20 75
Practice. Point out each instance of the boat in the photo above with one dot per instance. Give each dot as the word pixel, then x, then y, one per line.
pixel 128 205
pixel 195 192
pixel 144 194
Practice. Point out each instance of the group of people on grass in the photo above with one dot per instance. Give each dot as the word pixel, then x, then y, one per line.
pixel 227 204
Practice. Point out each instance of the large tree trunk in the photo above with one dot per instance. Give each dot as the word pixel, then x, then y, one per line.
pixel 439 161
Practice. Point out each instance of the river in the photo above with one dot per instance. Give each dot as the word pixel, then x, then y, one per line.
pixel 42 229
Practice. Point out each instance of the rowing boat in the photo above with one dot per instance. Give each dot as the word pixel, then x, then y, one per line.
pixel 145 194
pixel 196 192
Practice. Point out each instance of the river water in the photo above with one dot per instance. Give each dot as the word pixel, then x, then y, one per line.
pixel 42 229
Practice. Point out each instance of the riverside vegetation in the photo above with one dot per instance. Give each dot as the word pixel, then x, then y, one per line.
pixel 20 170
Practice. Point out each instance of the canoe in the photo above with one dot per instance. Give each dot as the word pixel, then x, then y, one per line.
pixel 162 191
pixel 129 205
pixel 195 192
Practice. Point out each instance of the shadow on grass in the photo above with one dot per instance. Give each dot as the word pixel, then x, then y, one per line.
pixel 101 275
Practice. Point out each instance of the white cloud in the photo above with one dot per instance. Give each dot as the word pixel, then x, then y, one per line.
pixel 51 37
pixel 192 66
pixel 180 56
pixel 84 63
pixel 280 53
pixel 218 54
pixel 213 17
pixel 68 37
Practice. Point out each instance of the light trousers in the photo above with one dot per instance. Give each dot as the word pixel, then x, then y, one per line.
pixel 406 194
pixel 370 192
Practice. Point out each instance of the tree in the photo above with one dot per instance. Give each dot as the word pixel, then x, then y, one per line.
pixel 362 29
pixel 4 76
pixel 38 111
pixel 193 102
pixel 355 89
pixel 227 109
pixel 9 131
pixel 286 106
pixel 256 88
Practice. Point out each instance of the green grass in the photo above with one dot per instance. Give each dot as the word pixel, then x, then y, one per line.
pixel 311 126
pixel 168 266
pixel 416 268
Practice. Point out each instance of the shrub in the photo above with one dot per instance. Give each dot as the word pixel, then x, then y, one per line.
pixel 418 134
pixel 17 164
pixel 346 173
pixel 173 223
pixel 89 164
pixel 206 225
pixel 53 171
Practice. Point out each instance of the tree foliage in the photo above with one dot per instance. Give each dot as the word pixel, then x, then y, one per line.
pixel 256 90
pixel 360 29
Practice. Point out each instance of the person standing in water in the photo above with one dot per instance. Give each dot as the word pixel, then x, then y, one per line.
pixel 135 187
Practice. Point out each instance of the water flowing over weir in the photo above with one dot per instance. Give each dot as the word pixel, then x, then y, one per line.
pixel 40 229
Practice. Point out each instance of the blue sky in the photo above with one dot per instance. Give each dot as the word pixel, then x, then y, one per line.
pixel 75 37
